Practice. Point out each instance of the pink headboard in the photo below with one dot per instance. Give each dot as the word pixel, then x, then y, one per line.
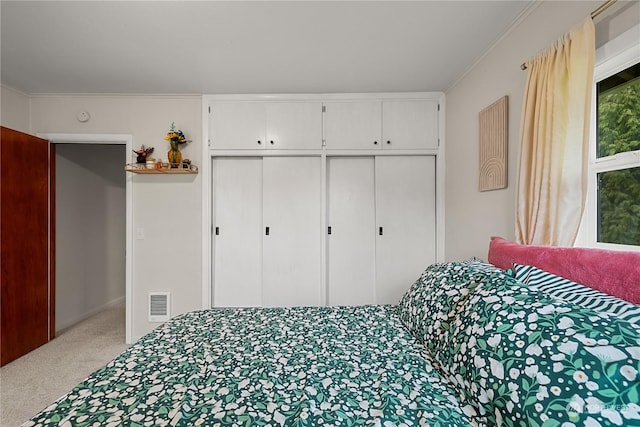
pixel 612 272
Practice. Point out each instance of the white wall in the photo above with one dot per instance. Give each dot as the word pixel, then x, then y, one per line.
pixel 473 217
pixel 616 20
pixel 167 207
pixel 14 109
pixel 90 230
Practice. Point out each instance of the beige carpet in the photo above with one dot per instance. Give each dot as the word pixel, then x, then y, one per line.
pixel 31 383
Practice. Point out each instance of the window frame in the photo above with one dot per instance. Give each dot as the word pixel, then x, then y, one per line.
pixel 613 57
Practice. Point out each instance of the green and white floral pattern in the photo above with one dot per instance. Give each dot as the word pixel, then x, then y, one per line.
pixel 520 357
pixel 466 346
pixel 342 366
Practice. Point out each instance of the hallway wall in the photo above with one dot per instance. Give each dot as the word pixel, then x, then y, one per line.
pixel 90 230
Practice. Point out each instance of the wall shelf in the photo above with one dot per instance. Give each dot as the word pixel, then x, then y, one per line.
pixel 142 169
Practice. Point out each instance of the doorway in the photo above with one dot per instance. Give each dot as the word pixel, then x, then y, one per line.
pixel 85 290
pixel 90 230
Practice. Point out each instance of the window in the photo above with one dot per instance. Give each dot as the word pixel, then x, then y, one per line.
pixel 612 215
pixel 618 136
pixel 618 100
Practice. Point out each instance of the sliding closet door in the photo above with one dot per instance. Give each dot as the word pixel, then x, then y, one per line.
pixel 291 231
pixel 406 234
pixel 237 234
pixel 351 250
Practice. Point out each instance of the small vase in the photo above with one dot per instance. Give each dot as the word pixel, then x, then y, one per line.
pixel 174 156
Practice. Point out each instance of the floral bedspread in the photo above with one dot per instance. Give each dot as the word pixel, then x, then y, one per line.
pixel 522 358
pixel 340 366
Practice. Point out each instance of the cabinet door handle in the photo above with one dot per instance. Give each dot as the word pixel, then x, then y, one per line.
pixel 388 142
pixel 380 231
pixel 329 230
pixel 271 142
pixel 266 231
pixel 259 142
pixel 217 231
pixel 375 142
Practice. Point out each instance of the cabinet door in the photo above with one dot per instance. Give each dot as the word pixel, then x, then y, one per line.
pixel 405 211
pixel 291 261
pixel 410 124
pixel 351 244
pixel 294 125
pixel 353 125
pixel 237 125
pixel 237 237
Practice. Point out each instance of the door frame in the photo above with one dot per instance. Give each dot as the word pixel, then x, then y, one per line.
pixel 127 140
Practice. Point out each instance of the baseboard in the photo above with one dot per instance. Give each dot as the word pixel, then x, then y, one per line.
pixel 70 322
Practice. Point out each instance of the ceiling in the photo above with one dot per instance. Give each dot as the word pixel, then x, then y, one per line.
pixel 222 47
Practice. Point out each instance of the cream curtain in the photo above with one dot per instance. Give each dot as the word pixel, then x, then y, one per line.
pixel 554 140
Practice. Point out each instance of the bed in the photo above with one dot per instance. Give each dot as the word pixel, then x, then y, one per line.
pixel 304 366
pixel 469 344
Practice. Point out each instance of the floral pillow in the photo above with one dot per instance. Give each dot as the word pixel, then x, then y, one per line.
pixel 428 308
pixel 520 357
pixel 484 266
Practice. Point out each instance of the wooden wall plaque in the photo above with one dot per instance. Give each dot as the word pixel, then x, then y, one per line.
pixel 494 140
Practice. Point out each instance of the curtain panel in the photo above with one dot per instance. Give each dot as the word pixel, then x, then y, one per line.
pixel 554 140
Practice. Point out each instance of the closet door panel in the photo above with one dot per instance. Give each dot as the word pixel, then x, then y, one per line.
pixel 237 125
pixel 410 124
pixel 294 125
pixel 406 234
pixel 237 215
pixel 353 125
pixel 291 260
pixel 351 244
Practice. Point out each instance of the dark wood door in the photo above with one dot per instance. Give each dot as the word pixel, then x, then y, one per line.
pixel 26 227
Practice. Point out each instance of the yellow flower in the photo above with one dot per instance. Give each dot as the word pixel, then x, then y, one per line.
pixel 175 136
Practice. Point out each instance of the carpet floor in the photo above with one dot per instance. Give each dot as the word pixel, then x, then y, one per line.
pixel 34 381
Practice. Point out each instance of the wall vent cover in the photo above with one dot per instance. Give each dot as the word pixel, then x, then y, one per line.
pixel 159 306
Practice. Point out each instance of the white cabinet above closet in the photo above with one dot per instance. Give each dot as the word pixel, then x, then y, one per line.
pixel 353 125
pixel 410 124
pixel 294 125
pixel 386 125
pixel 237 125
pixel 250 125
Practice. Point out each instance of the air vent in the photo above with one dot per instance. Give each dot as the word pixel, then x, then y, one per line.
pixel 159 306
